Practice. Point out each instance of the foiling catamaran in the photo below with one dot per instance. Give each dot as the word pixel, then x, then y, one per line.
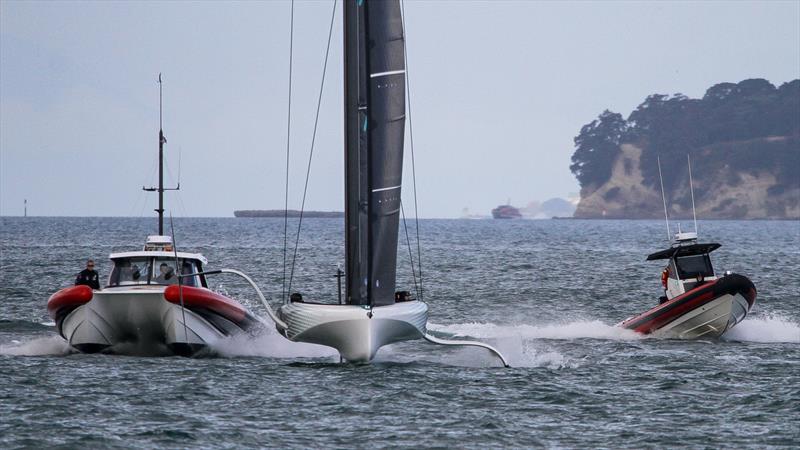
pixel 156 300
pixel 373 313
pixel 696 302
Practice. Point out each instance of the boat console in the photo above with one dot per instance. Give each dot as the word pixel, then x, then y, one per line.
pixel 689 264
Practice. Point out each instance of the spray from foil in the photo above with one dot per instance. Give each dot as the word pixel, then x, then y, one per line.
pixel 581 329
pixel 522 344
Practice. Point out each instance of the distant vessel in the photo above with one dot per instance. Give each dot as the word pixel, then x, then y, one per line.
pixel 156 300
pixel 290 213
pixel 506 212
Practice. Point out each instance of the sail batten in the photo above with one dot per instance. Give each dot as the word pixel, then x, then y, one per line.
pixel 374 132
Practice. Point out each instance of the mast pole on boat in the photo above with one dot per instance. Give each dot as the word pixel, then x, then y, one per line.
pixel 355 116
pixel 161 141
pixel 663 197
pixel 691 189
pixel 160 189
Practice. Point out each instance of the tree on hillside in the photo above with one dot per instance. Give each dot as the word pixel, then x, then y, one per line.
pixel 596 148
pixel 722 124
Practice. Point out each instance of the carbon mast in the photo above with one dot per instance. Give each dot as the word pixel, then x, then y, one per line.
pixel 374 78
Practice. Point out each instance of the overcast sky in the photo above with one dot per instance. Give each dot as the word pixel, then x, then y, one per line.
pixel 498 89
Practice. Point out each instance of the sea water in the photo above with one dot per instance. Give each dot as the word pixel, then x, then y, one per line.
pixel 546 293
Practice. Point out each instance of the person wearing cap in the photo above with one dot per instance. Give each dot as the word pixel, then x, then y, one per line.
pixel 88 276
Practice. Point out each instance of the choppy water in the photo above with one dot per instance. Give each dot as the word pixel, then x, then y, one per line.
pixel 547 293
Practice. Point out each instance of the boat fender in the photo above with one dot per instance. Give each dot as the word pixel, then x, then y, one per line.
pixel 296 297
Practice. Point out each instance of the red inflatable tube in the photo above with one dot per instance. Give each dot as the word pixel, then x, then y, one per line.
pixel 70 297
pixel 203 298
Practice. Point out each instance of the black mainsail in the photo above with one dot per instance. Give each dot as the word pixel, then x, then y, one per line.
pixel 374 85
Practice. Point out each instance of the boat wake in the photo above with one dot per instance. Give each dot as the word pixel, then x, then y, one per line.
pixel 519 342
pixel 41 346
pixel 582 329
pixel 516 352
pixel 269 344
pixel 765 330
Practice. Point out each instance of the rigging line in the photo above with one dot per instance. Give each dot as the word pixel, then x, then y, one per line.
pixel 408 243
pixel 149 183
pixel 180 154
pixel 177 191
pixel 288 140
pixel 178 275
pixel 411 138
pixel 313 141
pixel 135 205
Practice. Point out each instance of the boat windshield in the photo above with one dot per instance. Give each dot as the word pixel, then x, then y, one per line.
pixel 129 271
pixel 145 270
pixel 694 265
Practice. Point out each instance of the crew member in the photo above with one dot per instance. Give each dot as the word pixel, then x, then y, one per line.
pixel 165 274
pixel 88 276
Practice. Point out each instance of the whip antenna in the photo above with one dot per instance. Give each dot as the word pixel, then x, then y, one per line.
pixel 691 189
pixel 663 197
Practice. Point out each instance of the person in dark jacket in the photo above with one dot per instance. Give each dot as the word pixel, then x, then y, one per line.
pixel 88 276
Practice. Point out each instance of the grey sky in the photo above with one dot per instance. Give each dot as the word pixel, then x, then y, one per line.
pixel 499 89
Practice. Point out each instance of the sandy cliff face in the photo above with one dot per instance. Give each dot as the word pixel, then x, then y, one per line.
pixel 723 194
pixel 624 194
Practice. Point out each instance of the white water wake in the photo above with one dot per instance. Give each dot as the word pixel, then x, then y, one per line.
pixel 42 346
pixel 517 342
pixel 582 329
pixel 519 345
pixel 767 329
pixel 270 344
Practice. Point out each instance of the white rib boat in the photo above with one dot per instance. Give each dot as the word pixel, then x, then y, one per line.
pixel 156 300
pixel 142 310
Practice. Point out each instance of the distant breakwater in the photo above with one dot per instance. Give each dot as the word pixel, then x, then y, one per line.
pixel 289 213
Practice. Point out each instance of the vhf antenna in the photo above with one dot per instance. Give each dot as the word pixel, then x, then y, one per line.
pixel 160 189
pixel 663 197
pixel 691 189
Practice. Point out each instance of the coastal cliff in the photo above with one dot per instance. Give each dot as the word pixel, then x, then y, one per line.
pixel 744 143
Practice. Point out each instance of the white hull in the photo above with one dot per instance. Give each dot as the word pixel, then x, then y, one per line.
pixel 357 332
pixel 138 321
pixel 710 320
